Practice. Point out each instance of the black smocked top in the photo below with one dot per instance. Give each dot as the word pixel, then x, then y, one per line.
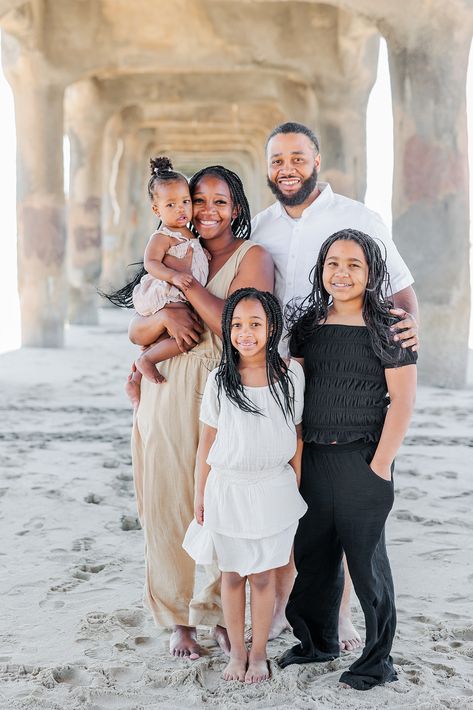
pixel 346 396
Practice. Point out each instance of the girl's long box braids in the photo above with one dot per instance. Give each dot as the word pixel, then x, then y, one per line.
pixel 303 318
pixel 228 378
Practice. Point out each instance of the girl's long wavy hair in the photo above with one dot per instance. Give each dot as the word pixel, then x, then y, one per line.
pixel 228 377
pixel 303 318
pixel 162 171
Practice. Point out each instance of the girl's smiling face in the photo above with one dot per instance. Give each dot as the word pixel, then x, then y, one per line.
pixel 249 329
pixel 213 210
pixel 346 271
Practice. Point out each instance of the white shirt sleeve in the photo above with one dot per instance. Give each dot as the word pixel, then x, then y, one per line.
pixel 209 408
pixel 399 275
pixel 298 380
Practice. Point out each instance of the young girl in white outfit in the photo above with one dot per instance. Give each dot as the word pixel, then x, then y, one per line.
pixel 247 503
pixel 156 285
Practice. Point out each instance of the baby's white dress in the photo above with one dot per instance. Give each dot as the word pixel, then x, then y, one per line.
pixel 252 504
pixel 152 294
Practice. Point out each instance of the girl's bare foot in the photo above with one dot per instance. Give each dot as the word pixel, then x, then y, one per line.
pixel 183 643
pixel 258 669
pixel 133 391
pixel 236 667
pixel 219 634
pixel 348 636
pixel 149 370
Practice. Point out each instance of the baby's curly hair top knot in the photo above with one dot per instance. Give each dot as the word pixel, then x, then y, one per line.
pixel 162 171
pixel 159 165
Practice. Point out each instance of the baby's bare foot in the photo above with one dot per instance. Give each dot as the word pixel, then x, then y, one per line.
pixel 133 391
pixel 149 370
pixel 236 668
pixel 258 669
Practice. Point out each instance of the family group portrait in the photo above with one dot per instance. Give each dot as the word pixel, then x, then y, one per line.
pixel 236 355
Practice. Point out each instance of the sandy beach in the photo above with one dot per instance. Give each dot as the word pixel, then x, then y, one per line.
pixel 74 632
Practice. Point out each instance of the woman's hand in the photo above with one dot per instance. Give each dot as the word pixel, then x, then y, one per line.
pixel 199 509
pixel 184 326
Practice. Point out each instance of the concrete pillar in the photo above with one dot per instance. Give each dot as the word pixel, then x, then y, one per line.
pixel 38 97
pixel 118 166
pixel 430 188
pixel 342 101
pixel 85 120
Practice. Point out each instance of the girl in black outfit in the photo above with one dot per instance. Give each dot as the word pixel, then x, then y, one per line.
pixel 341 333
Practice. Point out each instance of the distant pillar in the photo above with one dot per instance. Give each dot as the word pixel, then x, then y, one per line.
pixel 341 122
pixel 85 119
pixel 40 195
pixel 430 188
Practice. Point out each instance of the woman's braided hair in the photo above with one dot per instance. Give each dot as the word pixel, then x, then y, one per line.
pixel 228 377
pixel 241 225
pixel 161 171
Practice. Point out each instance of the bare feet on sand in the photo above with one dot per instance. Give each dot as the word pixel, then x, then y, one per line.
pixel 149 370
pixel 219 634
pixel 258 669
pixel 183 643
pixel 349 637
pixel 236 667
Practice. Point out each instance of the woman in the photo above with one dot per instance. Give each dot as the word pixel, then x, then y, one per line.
pixel 166 425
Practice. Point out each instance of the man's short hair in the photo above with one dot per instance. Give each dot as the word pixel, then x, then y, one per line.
pixel 293 127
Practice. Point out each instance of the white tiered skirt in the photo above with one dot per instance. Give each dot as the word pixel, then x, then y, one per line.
pixel 250 520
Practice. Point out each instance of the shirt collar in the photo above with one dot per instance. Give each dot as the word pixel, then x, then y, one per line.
pixel 320 203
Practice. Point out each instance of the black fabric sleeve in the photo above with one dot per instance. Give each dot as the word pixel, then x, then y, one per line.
pixel 405 356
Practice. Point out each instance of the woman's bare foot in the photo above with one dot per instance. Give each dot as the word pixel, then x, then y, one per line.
pixel 348 636
pixel 258 669
pixel 183 643
pixel 149 370
pixel 236 667
pixel 219 634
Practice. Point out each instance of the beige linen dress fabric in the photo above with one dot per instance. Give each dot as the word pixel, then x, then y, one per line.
pixel 164 444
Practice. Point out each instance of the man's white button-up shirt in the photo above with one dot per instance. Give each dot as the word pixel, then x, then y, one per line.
pixel 294 244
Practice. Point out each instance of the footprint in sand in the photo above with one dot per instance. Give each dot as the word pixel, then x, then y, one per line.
pixel 82 544
pixel 407 515
pixel 411 493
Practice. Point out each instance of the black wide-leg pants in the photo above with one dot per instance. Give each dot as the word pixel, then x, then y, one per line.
pixel 347 508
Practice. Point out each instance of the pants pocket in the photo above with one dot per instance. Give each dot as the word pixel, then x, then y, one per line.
pixel 373 474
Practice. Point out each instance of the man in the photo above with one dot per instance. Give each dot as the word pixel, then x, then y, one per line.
pixel 292 230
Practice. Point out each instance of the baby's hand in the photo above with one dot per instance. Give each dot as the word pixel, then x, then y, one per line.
pixel 208 255
pixel 182 281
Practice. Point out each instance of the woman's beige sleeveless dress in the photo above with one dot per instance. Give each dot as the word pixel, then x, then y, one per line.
pixel 164 445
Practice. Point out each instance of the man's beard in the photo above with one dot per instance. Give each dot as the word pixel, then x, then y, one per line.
pixel 307 186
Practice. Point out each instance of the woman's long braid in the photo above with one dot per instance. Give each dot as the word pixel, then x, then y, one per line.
pixel 241 225
pixel 161 172
pixel 305 317
pixel 228 377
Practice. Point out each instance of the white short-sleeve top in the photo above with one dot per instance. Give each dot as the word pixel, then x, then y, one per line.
pixel 252 442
